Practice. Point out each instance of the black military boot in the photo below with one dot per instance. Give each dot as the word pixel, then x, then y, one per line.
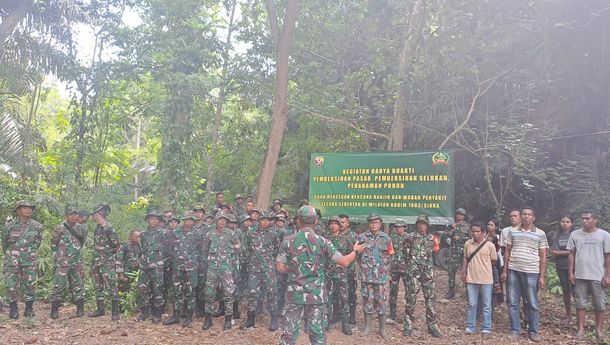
pixel 347 330
pixel 156 314
pixel 144 313
pixel 236 313
pixel 250 320
pixel 368 319
pixel 382 331
pixel 227 324
pixel 392 317
pixel 450 293
pixel 29 309
pixel 80 308
pixel 259 307
pixel 221 310
pixel 207 323
pixel 173 320
pixel 115 310
pixel 101 310
pixel 352 314
pixel 273 326
pixel 188 318
pixel 55 310
pixel 14 311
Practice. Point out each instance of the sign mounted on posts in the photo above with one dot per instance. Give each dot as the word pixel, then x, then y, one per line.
pixel 391 184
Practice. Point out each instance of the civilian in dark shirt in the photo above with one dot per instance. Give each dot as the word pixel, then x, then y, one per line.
pixel 560 253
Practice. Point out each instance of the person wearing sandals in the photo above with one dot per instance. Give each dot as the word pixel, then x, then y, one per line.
pixel 560 253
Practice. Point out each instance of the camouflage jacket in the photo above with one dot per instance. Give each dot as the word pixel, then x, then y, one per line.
pixel 105 245
pixel 187 250
pixel 307 255
pixel 238 211
pixel 21 242
pixel 375 258
pixel 418 250
pixel 67 248
pixel 462 230
pixel 201 231
pixel 153 249
pixel 351 234
pixel 262 247
pixel 344 245
pixel 220 249
pixel 128 258
pixel 243 255
pixel 398 264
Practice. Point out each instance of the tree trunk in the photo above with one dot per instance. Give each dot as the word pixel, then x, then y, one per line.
pixel 280 108
pixel 13 19
pixel 407 56
pixel 221 100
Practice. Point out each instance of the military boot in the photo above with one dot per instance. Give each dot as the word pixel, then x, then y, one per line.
pixel 347 330
pixel 274 322
pixel 259 307
pixel 80 308
pixel 221 310
pixel 144 313
pixel 55 310
pixel 434 332
pixel 14 311
pixel 407 329
pixel 29 309
pixel 236 313
pixel 227 324
pixel 173 320
pixel 156 314
pixel 352 314
pixel 392 318
pixel 368 319
pixel 450 293
pixel 115 310
pixel 250 320
pixel 188 318
pixel 382 330
pixel 101 310
pixel 207 323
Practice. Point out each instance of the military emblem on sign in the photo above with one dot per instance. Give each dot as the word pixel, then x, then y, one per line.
pixel 440 158
pixel 318 161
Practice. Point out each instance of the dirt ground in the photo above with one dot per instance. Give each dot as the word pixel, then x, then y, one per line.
pixel 68 330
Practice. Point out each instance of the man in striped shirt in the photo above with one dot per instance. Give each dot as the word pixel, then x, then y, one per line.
pixel 524 268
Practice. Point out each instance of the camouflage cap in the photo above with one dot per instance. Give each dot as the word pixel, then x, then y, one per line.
pixel 244 217
pixel 334 219
pixel 104 209
pixel 232 218
pixel 209 216
pixel 254 210
pixel 173 218
pixel 422 218
pixel 307 212
pixel 461 211
pixel 222 205
pixel 153 213
pixel 24 203
pixel 238 196
pixel 71 210
pixel 400 223
pixel 373 216
pixel 277 201
pixel 198 207
pixel 281 217
pixel 188 215
pixel 266 214
pixel 222 215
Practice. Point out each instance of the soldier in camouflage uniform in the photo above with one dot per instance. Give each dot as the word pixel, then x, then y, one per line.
pixel 169 235
pixel 261 245
pixel 220 247
pixel 337 275
pixel 242 280
pixel 201 228
pixel 304 256
pixel 456 236
pixel 352 283
pixel 239 208
pixel 398 266
pixel 374 275
pixel 417 249
pixel 283 231
pixel 105 246
pixel 128 260
pixel 234 225
pixel 150 280
pixel 21 239
pixel 187 252
pixel 66 244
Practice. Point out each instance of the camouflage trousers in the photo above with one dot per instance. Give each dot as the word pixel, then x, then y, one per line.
pixel 375 297
pixel 185 282
pixel 416 280
pixel 168 281
pixel 352 286
pixel 215 282
pixel 395 285
pixel 454 262
pixel 200 288
pixel 314 316
pixel 72 276
pixel 337 292
pixel 105 278
pixel 282 285
pixel 242 282
pixel 259 284
pixel 20 277
pixel 150 285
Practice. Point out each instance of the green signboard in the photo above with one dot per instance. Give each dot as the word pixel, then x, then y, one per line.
pixel 391 184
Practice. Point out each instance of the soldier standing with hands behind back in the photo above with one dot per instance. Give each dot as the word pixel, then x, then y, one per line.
pixel 456 236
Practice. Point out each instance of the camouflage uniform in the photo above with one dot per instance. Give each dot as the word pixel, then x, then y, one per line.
pixel 128 261
pixel 187 252
pixel 68 261
pixel 454 261
pixel 282 278
pixel 103 271
pixel 201 230
pixel 307 255
pixel 21 243
pixel 150 280
pixel 242 276
pixel 169 238
pixel 337 278
pixel 374 275
pixel 398 268
pixel 352 283
pixel 418 250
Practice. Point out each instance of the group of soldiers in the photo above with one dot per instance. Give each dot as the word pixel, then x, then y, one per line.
pixel 233 254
